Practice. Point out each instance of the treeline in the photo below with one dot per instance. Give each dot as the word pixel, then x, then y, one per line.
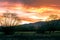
pixel 39 27
pixel 46 26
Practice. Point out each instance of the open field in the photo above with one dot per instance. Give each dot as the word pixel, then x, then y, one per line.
pixel 31 36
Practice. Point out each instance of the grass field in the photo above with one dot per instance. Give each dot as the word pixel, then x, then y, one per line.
pixel 30 36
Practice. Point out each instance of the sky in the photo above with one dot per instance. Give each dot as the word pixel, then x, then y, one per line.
pixel 32 3
pixel 31 10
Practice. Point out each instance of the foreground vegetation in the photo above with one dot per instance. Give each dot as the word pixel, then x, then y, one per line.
pixel 30 36
pixel 38 27
pixel 37 31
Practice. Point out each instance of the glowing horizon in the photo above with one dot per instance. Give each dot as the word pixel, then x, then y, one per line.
pixel 28 12
pixel 34 15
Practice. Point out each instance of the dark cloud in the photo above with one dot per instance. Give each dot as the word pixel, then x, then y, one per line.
pixel 35 3
pixel 2 0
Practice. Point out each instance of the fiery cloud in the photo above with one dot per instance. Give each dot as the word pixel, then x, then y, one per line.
pixel 31 10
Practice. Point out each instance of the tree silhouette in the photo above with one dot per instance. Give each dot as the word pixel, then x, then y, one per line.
pixel 41 27
pixel 53 25
pixel 52 17
pixel 11 18
pixel 8 22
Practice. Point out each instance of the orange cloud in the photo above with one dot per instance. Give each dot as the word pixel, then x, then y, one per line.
pixel 32 10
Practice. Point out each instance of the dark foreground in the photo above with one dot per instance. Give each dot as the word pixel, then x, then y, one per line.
pixel 31 36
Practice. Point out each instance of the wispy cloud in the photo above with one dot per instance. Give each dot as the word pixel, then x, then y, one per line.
pixel 31 10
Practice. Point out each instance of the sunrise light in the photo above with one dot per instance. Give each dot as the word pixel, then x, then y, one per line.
pixel 29 14
pixel 33 13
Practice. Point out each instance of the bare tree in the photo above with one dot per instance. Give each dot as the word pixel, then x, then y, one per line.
pixel 16 19
pixel 52 17
pixel 11 19
pixel 0 21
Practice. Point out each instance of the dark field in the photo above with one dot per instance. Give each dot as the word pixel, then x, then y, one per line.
pixel 31 36
pixel 37 31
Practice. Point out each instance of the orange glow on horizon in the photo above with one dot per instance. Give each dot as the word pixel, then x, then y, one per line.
pixel 30 14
